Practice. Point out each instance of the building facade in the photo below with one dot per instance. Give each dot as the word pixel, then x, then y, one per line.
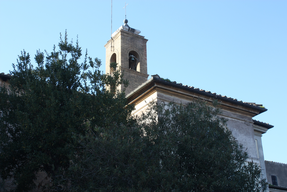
pixel 128 49
pixel 276 176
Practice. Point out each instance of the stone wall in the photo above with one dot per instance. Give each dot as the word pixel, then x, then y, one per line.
pixel 121 45
pixel 276 169
pixel 240 124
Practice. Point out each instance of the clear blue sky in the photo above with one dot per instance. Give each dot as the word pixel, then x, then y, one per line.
pixel 235 48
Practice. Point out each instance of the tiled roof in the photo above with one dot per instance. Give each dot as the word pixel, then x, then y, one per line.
pixel 274 162
pixel 210 94
pixel 260 123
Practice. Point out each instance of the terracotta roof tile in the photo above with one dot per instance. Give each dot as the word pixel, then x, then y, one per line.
pixel 263 124
pixel 218 96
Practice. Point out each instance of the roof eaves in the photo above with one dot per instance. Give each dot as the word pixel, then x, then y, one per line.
pixel 277 187
pixel 260 108
pixel 262 124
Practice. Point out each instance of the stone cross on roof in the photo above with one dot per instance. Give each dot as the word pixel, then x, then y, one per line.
pixel 125 7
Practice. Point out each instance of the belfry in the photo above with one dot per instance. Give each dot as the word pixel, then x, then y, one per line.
pixel 128 49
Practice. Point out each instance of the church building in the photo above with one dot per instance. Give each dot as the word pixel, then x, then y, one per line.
pixel 127 48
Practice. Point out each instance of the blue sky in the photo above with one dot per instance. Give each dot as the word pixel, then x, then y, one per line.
pixel 236 48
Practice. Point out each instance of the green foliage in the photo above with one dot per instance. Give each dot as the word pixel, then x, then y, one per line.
pixel 45 109
pixel 168 80
pixel 59 118
pixel 170 148
pixel 204 152
pixel 113 66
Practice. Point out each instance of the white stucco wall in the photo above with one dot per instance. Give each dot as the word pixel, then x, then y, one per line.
pixel 241 125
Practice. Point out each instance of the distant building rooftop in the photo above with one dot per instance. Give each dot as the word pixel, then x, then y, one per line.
pixel 276 175
pixel 5 77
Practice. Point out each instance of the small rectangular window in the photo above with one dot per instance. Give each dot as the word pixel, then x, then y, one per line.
pixel 274 180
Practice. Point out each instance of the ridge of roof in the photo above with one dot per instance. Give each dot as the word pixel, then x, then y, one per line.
pixel 210 94
pixel 274 162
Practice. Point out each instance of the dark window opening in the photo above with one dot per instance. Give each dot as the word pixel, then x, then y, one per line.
pixel 113 62
pixel 133 60
pixel 274 180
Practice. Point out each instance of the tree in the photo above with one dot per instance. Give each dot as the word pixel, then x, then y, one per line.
pixel 197 152
pixel 59 118
pixel 47 108
pixel 170 148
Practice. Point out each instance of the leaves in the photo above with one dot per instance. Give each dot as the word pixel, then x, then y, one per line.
pixel 45 108
pixel 170 148
pixel 59 118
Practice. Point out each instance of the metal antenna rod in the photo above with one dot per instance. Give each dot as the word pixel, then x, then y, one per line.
pixel 111 17
pixel 112 47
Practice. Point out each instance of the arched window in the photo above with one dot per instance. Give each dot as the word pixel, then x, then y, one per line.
pixel 134 60
pixel 113 67
pixel 113 62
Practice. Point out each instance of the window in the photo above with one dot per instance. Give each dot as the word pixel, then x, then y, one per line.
pixel 113 61
pixel 134 61
pixel 274 180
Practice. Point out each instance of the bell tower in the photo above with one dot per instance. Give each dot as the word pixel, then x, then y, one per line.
pixel 128 49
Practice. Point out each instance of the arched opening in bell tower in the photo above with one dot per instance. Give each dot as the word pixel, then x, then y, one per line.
pixel 134 62
pixel 113 62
